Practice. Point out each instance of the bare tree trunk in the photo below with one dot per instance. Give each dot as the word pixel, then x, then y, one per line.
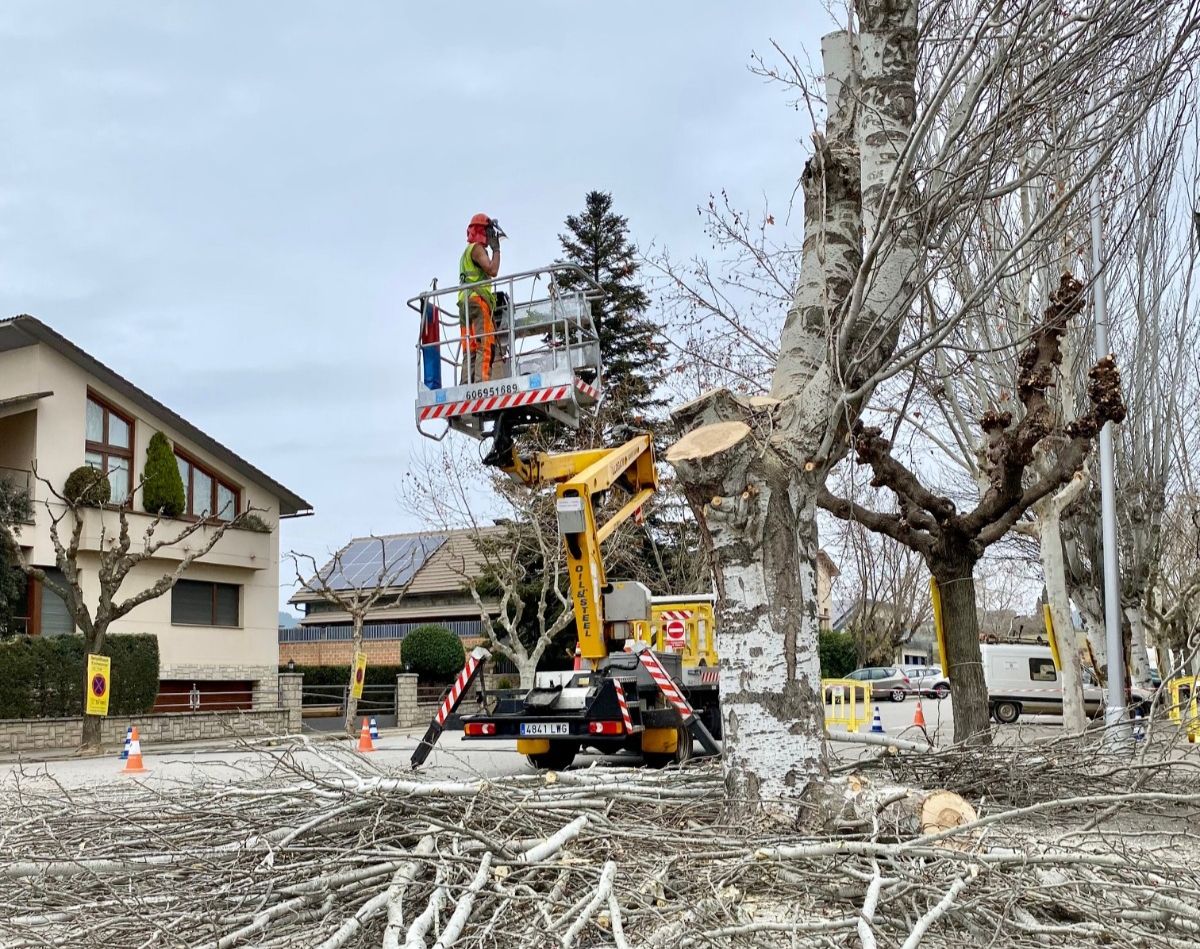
pixel 526 670
pixel 1139 659
pixel 356 638
pixel 760 523
pixel 1049 530
pixel 964 660
pixel 90 743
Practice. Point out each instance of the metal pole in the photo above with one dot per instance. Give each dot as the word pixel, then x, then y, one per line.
pixel 1114 711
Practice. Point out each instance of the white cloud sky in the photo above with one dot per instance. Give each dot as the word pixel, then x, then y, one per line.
pixel 229 202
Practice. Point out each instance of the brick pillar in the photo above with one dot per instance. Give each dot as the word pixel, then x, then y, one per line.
pixel 406 701
pixel 291 689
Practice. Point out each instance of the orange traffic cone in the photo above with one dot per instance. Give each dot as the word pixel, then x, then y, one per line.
pixel 364 738
pixel 133 764
pixel 919 716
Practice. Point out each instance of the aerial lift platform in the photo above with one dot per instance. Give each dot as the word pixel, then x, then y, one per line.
pixel 627 695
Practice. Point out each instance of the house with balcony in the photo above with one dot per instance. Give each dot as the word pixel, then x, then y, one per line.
pixel 61 408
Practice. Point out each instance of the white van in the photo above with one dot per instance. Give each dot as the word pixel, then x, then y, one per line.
pixel 1023 678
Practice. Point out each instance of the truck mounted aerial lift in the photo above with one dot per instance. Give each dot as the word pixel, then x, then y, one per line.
pixel 547 367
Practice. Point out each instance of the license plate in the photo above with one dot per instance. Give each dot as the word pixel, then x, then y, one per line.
pixel 544 728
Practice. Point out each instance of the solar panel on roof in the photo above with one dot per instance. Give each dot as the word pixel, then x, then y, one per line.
pixel 368 561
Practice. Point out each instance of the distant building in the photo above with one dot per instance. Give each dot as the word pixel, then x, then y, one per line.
pixel 437 594
pixel 60 408
pixel 438 565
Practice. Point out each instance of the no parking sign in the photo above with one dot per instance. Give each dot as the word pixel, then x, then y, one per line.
pixel 360 674
pixel 99 679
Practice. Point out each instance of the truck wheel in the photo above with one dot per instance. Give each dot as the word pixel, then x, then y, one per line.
pixel 558 758
pixel 682 752
pixel 1007 712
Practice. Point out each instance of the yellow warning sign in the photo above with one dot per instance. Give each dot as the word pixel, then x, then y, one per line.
pixel 360 674
pixel 98 684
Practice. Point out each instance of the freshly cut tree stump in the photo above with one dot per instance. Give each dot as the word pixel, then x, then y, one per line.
pixel 706 441
pixel 853 804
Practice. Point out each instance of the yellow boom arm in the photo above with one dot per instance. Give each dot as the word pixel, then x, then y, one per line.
pixel 580 477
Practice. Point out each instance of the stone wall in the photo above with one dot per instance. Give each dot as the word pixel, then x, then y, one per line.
pixel 280 716
pixel 408 712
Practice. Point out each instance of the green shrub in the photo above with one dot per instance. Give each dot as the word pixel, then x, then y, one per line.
pixel 162 485
pixel 87 485
pixel 432 652
pixel 43 677
pixel 252 522
pixel 838 655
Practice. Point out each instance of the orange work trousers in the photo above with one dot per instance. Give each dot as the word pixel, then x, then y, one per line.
pixel 479 336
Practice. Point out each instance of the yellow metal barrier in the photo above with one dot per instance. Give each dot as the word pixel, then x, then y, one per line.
pixel 847 702
pixel 1184 710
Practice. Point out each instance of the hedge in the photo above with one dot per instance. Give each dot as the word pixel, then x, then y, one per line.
pixel 42 677
pixel 838 654
pixel 433 652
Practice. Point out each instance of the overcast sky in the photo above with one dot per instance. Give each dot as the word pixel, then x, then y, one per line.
pixel 228 203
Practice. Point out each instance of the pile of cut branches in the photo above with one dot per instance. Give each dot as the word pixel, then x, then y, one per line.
pixel 347 855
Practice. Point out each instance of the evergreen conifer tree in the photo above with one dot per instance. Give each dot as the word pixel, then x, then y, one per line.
pixel 597 240
pixel 162 490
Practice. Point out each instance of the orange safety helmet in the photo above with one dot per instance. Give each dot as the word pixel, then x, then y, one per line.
pixel 477 229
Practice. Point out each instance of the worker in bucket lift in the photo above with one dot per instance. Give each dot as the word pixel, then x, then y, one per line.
pixel 477 305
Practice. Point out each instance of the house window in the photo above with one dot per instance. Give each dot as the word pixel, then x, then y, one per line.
pixel 109 445
pixel 1042 670
pixel 195 603
pixel 208 495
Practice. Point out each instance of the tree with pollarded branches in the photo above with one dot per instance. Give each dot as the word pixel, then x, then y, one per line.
pixel 341 589
pixel 515 574
pixel 952 541
pixel 929 123
pixel 117 555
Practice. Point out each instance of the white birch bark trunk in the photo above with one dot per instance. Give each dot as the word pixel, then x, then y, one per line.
pixel 751 469
pixel 1139 659
pixel 1049 531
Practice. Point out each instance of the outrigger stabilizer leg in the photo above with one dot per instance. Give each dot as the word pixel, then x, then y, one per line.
pixel 666 685
pixel 450 701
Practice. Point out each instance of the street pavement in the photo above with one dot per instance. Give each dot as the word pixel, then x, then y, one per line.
pixel 452 758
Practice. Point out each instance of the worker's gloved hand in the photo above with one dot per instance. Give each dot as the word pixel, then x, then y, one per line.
pixel 493 240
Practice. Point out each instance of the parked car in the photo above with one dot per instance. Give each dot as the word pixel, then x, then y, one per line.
pixel 887 682
pixel 1023 679
pixel 928 681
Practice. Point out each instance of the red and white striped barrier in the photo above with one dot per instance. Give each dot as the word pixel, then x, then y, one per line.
pixel 590 391
pixel 626 718
pixel 494 403
pixel 666 685
pixel 676 614
pixel 670 691
pixel 463 682
pixel 460 684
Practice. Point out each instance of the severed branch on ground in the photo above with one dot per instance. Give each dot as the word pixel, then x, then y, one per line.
pixel 325 850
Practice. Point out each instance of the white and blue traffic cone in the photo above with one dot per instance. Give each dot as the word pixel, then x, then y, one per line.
pixel 1139 725
pixel 877 723
pixel 128 741
pixel 374 731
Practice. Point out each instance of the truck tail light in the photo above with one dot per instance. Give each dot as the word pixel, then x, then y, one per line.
pixel 605 728
pixel 476 729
